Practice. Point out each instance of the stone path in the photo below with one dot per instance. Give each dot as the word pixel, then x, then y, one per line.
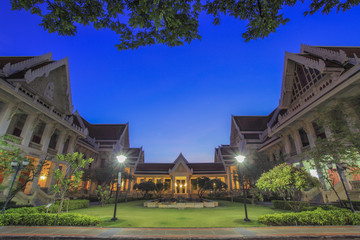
pixel 304 232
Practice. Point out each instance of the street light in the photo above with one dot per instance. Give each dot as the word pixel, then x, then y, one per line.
pixel 340 167
pixel 17 165
pixel 121 159
pixel 241 159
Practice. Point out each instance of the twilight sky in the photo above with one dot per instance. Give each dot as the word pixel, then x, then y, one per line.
pixel 177 99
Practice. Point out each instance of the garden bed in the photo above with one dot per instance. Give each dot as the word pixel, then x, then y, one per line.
pixel 173 203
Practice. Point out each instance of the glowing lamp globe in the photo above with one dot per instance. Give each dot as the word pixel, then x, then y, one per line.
pixel 240 158
pixel 121 158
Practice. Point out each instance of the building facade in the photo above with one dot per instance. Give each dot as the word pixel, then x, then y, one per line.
pixel 316 78
pixel 36 115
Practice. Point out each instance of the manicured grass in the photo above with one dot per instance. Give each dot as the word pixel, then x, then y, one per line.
pixel 133 214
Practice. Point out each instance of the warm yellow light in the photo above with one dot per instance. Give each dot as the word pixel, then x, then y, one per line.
pixel 185 184
pixel 180 185
pixel 175 185
pixel 42 177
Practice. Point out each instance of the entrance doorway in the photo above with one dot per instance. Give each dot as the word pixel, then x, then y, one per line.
pixel 180 185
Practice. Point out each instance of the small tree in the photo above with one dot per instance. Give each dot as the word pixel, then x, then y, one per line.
pixel 287 181
pixel 203 184
pixel 10 153
pixel 160 188
pixel 72 178
pixel 102 193
pixel 145 188
pixel 216 185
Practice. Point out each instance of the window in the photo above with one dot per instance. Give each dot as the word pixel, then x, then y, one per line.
pixel 304 138
pixel 17 124
pixel 54 138
pixel 38 132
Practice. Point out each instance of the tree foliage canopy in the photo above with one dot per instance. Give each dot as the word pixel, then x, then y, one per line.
pixel 287 181
pixel 169 22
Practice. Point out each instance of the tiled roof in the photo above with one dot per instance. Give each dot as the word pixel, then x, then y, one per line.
pixel 206 167
pixel 251 136
pixel 251 123
pixel 11 60
pixel 21 74
pixel 348 50
pixel 106 131
pixel 316 58
pixel 233 151
pixel 154 167
pixel 163 168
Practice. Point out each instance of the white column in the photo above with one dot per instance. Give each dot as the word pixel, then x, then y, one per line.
pixel 310 131
pixel 5 117
pixel 61 141
pixel 172 185
pixel 28 129
pixel 72 144
pixel 297 140
pixel 287 144
pixel 45 139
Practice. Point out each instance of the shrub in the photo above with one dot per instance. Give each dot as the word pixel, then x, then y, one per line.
pixel 12 204
pixel 73 204
pixel 317 217
pixel 281 204
pixel 48 219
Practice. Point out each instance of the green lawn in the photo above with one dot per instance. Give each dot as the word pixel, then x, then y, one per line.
pixel 133 214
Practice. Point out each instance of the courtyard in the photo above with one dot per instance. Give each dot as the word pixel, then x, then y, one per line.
pixel 133 214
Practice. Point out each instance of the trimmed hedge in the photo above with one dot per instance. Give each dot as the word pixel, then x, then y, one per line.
pixel 73 204
pixel 48 219
pixel 317 217
pixel 12 204
pixel 281 204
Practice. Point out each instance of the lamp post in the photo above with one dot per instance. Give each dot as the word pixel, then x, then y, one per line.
pixel 17 165
pixel 341 168
pixel 121 159
pixel 241 159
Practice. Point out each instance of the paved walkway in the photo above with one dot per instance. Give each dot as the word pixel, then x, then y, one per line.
pixel 304 232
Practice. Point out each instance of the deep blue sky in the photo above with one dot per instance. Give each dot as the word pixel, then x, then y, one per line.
pixel 177 99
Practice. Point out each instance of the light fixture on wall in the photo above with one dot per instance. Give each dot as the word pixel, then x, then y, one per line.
pixel 43 177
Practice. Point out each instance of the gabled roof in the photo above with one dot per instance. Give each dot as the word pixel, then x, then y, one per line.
pixel 251 123
pixel 106 131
